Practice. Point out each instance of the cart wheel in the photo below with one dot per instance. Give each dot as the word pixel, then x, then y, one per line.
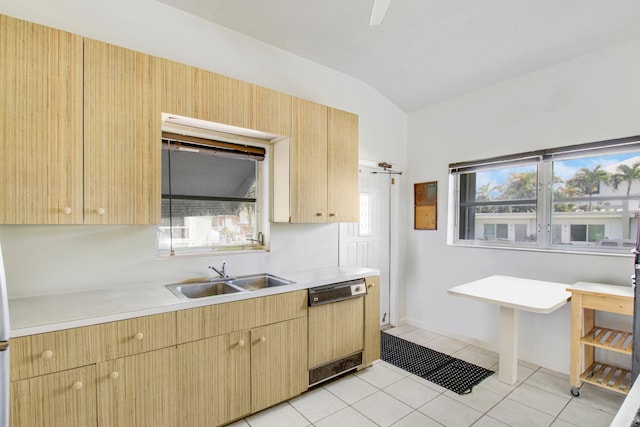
pixel 575 391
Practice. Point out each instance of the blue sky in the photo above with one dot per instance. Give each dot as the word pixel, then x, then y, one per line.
pixel 565 169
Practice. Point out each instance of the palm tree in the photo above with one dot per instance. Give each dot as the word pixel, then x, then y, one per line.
pixel 626 174
pixel 520 186
pixel 485 191
pixel 588 180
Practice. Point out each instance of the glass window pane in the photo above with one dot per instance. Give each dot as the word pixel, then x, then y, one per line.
pixel 208 201
pixel 364 228
pixel 594 200
pixel 499 204
pixel 206 223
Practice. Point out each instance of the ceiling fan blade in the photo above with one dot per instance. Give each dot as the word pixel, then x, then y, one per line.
pixel 379 10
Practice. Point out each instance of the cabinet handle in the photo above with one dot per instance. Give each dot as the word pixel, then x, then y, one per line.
pixel 114 375
pixel 262 339
pixel 139 336
pixel 77 385
pixel 320 214
pixel 370 285
pixel 100 211
pixel 241 343
pixel 48 354
pixel 67 210
pixel 332 214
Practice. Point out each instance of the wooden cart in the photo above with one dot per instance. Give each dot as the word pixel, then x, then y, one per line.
pixel 586 336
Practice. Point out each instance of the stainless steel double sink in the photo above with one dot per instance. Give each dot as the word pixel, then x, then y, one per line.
pixel 229 285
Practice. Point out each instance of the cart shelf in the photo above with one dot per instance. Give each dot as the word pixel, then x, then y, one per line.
pixel 609 339
pixel 609 377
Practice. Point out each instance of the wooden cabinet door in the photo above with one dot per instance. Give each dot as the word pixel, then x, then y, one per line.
pixel 185 90
pixel 122 135
pixel 371 321
pixel 270 111
pixel 40 124
pixel 214 385
pixel 343 195
pixel 278 362
pixel 63 399
pixel 139 390
pixel 229 100
pixel 308 162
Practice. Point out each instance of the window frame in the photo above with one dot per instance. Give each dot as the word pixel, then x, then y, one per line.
pixel 544 221
pixel 261 217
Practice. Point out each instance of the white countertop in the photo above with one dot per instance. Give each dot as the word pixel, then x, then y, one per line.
pixel 46 313
pixel 514 292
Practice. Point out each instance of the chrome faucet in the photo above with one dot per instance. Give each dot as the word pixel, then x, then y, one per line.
pixel 223 271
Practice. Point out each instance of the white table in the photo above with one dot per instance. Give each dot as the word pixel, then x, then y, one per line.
pixel 513 294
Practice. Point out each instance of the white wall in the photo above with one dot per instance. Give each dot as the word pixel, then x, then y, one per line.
pixel 44 259
pixel 592 98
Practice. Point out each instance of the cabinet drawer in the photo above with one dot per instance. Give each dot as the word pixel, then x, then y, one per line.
pixel 138 335
pixel 203 322
pixel 41 354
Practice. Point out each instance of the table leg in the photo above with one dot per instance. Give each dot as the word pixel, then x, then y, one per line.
pixel 508 355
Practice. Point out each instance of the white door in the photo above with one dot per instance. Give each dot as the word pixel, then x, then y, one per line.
pixel 366 244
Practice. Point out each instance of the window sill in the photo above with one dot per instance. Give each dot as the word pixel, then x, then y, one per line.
pixel 623 254
pixel 209 253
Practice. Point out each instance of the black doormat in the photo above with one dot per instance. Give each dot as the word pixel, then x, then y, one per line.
pixel 454 374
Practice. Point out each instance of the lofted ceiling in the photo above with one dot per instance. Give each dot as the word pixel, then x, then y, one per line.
pixel 427 51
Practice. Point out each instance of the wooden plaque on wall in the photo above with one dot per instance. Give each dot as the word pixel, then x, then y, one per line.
pixel 425 205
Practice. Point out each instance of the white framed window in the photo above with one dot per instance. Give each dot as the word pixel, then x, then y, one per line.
pixel 212 196
pixel 582 198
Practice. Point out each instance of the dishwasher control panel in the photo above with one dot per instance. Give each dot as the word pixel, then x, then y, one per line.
pixel 337 292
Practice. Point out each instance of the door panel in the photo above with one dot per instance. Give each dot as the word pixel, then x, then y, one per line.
pixel 366 244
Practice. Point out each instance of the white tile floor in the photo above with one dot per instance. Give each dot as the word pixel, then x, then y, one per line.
pixel 384 395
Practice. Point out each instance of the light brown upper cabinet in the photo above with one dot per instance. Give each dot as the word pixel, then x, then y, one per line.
pixel 315 172
pixel 185 90
pixel 200 94
pixel 308 162
pixel 343 195
pixel 40 124
pixel 122 133
pixel 270 111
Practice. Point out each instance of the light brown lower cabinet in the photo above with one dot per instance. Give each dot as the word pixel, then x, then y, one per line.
pixel 214 380
pixel 138 390
pixel 278 362
pixel 62 399
pixel 227 377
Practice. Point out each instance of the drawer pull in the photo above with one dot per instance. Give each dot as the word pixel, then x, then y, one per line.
pixel 241 343
pixel 370 285
pixel 114 375
pixel 77 385
pixel 67 210
pixel 48 354
pixel 263 339
pixel 100 211
pixel 139 336
pixel 320 214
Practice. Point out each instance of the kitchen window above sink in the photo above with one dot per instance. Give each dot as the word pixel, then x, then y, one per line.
pixel 214 188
